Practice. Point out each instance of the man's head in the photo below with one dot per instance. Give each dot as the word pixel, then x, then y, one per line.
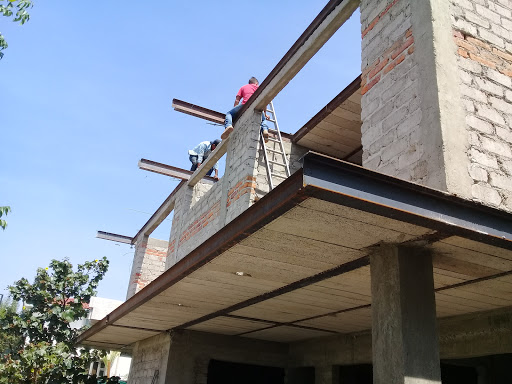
pixel 253 80
pixel 214 143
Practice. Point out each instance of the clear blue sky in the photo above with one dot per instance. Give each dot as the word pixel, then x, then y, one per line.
pixel 85 92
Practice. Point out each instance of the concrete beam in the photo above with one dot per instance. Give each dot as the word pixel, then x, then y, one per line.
pixel 114 237
pixel 215 156
pixel 198 111
pixel 169 170
pixel 160 215
pixel 328 21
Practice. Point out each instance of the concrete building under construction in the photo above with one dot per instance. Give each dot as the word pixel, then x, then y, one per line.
pixel 384 255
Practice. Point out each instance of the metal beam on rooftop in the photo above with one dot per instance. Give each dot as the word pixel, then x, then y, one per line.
pixel 114 237
pixel 160 215
pixel 169 170
pixel 198 111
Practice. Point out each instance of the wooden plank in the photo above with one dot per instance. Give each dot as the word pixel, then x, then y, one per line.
pixel 169 170
pixel 208 164
pixel 334 14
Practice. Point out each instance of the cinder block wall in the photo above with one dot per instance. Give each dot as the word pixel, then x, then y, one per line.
pixel 148 263
pixel 202 211
pixel 482 30
pixel 149 356
pixel 436 84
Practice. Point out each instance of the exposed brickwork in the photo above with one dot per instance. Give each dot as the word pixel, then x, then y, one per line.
pixel 377 19
pixel 246 185
pixel 391 114
pixel 148 263
pixel 392 57
pixel 483 35
pixel 197 225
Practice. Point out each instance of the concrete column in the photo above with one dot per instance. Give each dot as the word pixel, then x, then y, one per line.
pixel 138 258
pixel 405 344
pixel 412 107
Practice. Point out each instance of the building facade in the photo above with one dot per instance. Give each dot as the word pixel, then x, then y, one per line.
pixel 385 257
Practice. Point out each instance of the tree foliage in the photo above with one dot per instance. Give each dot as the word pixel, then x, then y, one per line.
pixel 16 9
pixel 47 352
pixel 3 212
pixel 8 342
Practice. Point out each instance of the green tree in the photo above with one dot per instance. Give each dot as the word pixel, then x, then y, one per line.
pixel 58 296
pixel 16 9
pixel 4 210
pixel 8 342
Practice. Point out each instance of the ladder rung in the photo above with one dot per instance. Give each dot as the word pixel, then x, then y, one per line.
pixel 272 120
pixel 273 150
pixel 276 175
pixel 276 162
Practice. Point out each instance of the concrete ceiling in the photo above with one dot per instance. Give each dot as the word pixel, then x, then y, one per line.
pixel 306 274
pixel 336 129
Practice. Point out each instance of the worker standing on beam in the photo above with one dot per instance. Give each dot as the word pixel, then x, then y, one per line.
pixel 244 93
pixel 201 153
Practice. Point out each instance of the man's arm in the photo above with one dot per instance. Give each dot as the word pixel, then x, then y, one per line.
pixel 237 100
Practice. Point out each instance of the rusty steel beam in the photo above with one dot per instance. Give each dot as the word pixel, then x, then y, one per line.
pixel 198 111
pixel 114 237
pixel 169 170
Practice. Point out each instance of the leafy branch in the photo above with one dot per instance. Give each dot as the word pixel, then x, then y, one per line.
pixel 3 212
pixel 17 9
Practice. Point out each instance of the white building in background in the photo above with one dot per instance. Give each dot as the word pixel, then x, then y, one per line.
pixel 99 307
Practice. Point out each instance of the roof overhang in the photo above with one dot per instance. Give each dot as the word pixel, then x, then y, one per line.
pixel 295 265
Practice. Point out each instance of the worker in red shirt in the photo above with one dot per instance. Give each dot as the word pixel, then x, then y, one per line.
pixel 244 94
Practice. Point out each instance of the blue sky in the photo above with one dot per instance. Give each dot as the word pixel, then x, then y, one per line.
pixel 86 91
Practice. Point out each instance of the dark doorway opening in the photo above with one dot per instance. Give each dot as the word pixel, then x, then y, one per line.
pixel 301 375
pixel 224 372
pixel 356 374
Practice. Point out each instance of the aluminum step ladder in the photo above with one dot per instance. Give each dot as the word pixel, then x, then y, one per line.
pixel 275 155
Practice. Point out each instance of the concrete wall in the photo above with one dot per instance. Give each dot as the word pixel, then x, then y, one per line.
pixel 482 31
pixel 148 356
pixel 479 334
pixel 191 352
pixel 148 263
pixel 436 104
pixel 184 356
pixel 203 210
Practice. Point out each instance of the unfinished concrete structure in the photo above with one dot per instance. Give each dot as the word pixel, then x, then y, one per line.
pixel 396 271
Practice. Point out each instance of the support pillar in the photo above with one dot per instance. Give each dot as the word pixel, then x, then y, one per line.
pixel 405 345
